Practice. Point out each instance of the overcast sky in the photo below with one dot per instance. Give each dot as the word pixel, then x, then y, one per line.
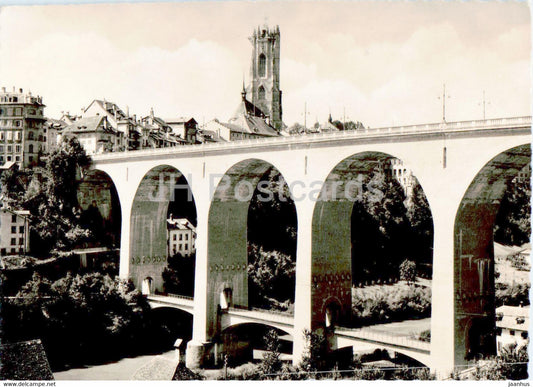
pixel 383 63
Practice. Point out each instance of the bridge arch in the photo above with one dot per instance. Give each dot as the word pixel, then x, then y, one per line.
pixel 333 254
pixel 239 339
pixel 163 191
pixel 100 207
pixel 474 287
pixel 228 234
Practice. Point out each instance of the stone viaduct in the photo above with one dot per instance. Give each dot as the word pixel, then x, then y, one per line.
pixel 463 168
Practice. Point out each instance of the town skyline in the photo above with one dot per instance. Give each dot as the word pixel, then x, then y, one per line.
pixel 381 64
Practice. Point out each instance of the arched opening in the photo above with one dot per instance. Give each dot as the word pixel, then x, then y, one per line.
pixel 261 67
pixel 99 212
pixel 147 286
pixel 30 148
pixel 100 208
pixel 331 314
pixel 247 342
pixel 480 217
pixel 243 236
pixel 166 325
pixel 261 93
pixel 372 248
pixel 225 298
pixel 163 221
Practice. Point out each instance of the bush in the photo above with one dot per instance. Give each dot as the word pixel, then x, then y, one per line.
pixel 512 294
pixel 390 303
pixel 79 319
pixel 408 271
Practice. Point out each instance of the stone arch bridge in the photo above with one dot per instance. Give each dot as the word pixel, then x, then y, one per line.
pixel 463 168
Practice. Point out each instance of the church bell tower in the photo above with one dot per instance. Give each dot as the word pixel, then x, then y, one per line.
pixel 264 73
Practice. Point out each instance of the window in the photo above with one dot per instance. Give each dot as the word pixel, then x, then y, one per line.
pixel 181 247
pixel 174 238
pixel 261 92
pixel 21 241
pixel 30 135
pixel 511 332
pixel 30 158
pixel 13 218
pixel 17 158
pixel 262 65
pixel 17 148
pixel 9 148
pixel 186 246
pixel 13 229
pixel 13 241
pixel 9 136
pixel 9 158
pixel 1 149
pixel 1 112
pixel 13 250
pixel 18 123
pixel 3 252
pixel 30 148
pixel 186 237
pixel 21 229
pixel 2 135
pixel 524 335
pixel 181 238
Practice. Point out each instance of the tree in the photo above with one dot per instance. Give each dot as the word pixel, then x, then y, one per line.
pixel 53 202
pixel 178 276
pixel 408 271
pixel 271 276
pixel 314 358
pixel 513 225
pixel 271 363
pixel 380 228
pixel 79 318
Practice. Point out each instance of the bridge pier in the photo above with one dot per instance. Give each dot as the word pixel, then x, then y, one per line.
pixel 302 299
pixel 442 303
pixel 196 354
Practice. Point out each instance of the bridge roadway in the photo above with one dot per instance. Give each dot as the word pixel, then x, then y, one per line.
pixel 344 337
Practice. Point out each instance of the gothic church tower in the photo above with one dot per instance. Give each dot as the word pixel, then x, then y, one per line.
pixel 264 73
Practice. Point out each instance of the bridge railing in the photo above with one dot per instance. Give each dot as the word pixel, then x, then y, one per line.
pixel 189 298
pixel 443 127
pixel 263 314
pixel 165 297
pixel 385 338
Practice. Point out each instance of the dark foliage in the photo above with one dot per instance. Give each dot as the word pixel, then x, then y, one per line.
pixel 79 319
pixel 512 294
pixel 512 225
pixel 271 243
pixel 178 276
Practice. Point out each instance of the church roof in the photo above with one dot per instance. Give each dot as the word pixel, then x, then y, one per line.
pixel 250 125
pixel 248 108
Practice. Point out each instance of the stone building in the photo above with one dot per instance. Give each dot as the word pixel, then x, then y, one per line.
pixel 14 232
pixel 512 324
pixel 181 236
pixel 22 131
pixel 185 128
pixel 157 133
pixel 264 87
pixel 96 135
